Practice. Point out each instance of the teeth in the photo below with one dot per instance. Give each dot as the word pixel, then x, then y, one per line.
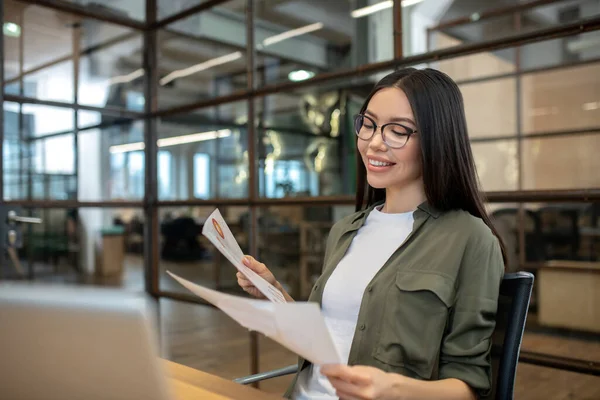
pixel 379 163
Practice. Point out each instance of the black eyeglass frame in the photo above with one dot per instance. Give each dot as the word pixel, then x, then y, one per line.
pixel 410 131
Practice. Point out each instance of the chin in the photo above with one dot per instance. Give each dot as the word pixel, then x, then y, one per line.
pixel 376 183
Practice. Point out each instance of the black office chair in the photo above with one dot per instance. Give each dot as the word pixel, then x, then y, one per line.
pixel 513 304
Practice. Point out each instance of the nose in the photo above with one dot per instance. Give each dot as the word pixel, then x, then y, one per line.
pixel 377 142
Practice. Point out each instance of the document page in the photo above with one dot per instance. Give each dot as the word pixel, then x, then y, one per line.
pixel 216 230
pixel 298 326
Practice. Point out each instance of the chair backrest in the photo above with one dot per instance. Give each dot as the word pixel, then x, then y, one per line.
pixel 513 304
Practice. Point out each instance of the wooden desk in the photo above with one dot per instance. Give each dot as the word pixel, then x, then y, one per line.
pixel 191 384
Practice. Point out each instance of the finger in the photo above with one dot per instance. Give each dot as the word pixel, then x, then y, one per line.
pixel 254 265
pixel 241 277
pixel 347 390
pixel 346 373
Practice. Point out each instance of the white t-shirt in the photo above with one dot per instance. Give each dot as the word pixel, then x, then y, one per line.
pixel 373 245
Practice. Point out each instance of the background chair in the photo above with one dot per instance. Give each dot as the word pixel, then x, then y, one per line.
pixel 513 305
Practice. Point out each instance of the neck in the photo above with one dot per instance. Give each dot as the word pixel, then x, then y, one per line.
pixel 404 199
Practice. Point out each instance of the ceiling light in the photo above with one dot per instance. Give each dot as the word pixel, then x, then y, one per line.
pixel 300 75
pixel 124 148
pixel 11 29
pixel 126 78
pixel 194 137
pixel 384 5
pixel 201 67
pixel 172 141
pixel 292 33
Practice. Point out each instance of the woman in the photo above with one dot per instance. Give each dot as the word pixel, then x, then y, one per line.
pixel 410 282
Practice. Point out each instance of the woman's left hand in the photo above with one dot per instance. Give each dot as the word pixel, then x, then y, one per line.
pixel 359 382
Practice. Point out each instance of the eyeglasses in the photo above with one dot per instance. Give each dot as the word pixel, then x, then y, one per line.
pixel 393 134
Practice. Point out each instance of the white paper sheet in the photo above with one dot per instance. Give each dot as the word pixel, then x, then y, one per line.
pixel 217 231
pixel 298 326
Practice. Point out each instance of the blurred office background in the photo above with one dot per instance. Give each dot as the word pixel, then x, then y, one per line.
pixel 126 122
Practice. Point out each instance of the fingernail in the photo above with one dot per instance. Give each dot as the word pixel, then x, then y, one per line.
pixel 246 260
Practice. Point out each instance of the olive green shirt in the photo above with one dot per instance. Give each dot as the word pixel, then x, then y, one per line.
pixel 429 312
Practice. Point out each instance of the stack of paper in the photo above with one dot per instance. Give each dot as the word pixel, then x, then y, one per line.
pixel 299 326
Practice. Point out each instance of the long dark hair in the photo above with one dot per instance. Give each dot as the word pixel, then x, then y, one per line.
pixel 449 173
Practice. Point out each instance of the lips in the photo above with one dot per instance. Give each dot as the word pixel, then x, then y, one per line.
pixel 378 164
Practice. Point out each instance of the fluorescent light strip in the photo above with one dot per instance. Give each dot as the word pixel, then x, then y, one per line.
pixel 126 78
pixel 172 141
pixel 194 137
pixel 201 67
pixel 124 148
pixel 384 5
pixel 292 33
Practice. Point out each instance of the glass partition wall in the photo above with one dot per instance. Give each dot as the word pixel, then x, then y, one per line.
pixel 146 115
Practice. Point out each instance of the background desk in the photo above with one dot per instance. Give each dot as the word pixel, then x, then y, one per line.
pixel 191 384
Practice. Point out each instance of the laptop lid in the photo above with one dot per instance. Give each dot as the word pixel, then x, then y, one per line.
pixel 60 342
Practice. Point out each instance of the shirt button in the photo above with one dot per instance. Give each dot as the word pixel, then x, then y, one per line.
pixel 362 327
pixel 370 288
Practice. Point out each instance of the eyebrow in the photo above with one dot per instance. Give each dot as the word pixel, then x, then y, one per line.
pixel 396 119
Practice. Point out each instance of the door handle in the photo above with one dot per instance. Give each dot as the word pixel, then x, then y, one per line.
pixel 14 218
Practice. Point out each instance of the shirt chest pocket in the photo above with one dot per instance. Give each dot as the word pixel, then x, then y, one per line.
pixel 413 323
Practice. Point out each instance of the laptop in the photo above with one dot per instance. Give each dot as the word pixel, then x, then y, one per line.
pixel 59 342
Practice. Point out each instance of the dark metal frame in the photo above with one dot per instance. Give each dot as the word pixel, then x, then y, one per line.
pixel 151 203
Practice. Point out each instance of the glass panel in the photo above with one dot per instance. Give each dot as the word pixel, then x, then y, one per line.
pixel 504 216
pixel 134 9
pixel 298 39
pixel 291 242
pixel 12 30
pixel 201 57
pixel 565 99
pixel 484 117
pixel 497 164
pixel 479 65
pixel 564 162
pixel 110 72
pixel 41 121
pixel 167 8
pixel 46 29
pixel 71 245
pixel 16 155
pixel 111 163
pixel 185 252
pixel 204 154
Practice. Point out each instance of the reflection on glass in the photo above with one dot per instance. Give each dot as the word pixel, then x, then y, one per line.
pixel 202 57
pixel 112 75
pixel 329 36
pixel 167 8
pixel 484 117
pixel 112 163
pixel 564 99
pixel 203 155
pixel 496 164
pixel 563 162
pixel 184 251
pixel 307 146
pixel 134 9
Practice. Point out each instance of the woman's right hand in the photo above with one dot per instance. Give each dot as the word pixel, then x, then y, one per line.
pixel 262 271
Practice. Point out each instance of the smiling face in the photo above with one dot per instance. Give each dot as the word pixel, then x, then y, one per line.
pixel 391 168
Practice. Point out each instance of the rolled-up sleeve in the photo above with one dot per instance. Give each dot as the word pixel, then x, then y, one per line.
pixel 466 347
